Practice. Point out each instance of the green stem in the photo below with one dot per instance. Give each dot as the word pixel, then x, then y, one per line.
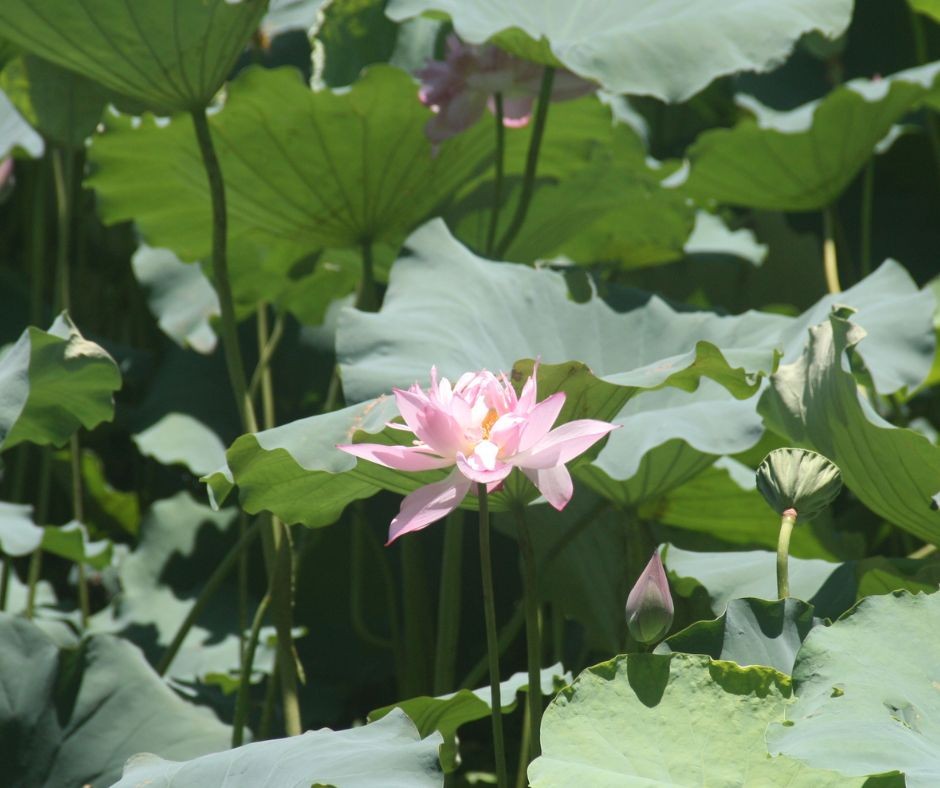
pixel 507 634
pixel 498 182
pixel 533 636
pixel 417 619
pixel 244 685
pixel 492 645
pixel 334 391
pixel 368 299
pixel 532 160
pixel 229 325
pixel 357 581
pixel 267 709
pixel 4 583
pixel 78 515
pixel 783 552
pixel 830 260
pixel 868 189
pixel 37 244
pixel 242 584
pixel 448 606
pixel 62 168
pixel 42 516
pixel 208 591
pixel 267 345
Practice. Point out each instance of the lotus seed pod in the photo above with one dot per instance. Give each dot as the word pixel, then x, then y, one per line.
pixel 799 480
pixel 649 605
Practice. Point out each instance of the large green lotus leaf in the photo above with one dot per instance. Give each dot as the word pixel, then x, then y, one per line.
pixel 52 383
pixel 447 713
pixel 803 159
pixel 179 296
pixel 304 170
pixel 171 55
pixel 160 581
pixel 387 753
pixel 63 105
pixel 19 535
pixel 629 46
pixel 832 587
pixel 15 132
pixel 77 714
pixel 180 439
pixel 815 402
pixel 749 632
pixel 866 692
pixel 676 720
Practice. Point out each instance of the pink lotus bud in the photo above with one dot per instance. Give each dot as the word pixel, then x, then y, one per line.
pixel 649 606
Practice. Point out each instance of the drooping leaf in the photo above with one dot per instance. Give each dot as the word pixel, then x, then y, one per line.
pixel 179 296
pixel 447 713
pixel 304 171
pixel 181 439
pixel 71 541
pixel 866 694
pixel 18 534
pixel 803 159
pixel 52 383
pixel 63 105
pixel 171 55
pixel 680 719
pixel 749 632
pixel 815 403
pixel 387 753
pixel 633 47
pixel 60 717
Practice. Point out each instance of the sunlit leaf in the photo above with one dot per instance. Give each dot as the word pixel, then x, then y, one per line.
pixel 18 534
pixel 52 383
pixel 384 754
pixel 181 439
pixel 629 46
pixel 859 707
pixel 172 55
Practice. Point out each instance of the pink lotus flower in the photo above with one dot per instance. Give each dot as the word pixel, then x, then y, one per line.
pixel 460 87
pixel 482 428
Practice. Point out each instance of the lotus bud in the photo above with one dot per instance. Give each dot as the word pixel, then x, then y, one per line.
pixel 798 480
pixel 649 605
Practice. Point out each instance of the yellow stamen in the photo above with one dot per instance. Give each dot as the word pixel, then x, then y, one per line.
pixel 488 421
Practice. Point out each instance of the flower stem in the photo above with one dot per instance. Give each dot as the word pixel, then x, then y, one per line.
pixel 533 636
pixel 42 514
pixel 498 182
pixel 783 552
pixel 868 188
pixel 448 606
pixel 244 685
pixel 208 591
pixel 275 538
pixel 492 645
pixel 830 261
pixel 531 164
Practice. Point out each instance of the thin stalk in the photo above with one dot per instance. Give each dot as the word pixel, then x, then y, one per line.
pixel 417 619
pixel 498 182
pixel 78 514
pixel 267 708
pixel 523 768
pixel 532 160
pixel 868 190
pixel 492 645
pixel 448 605
pixel 208 591
pixel 334 391
pixel 242 585
pixel 783 552
pixel 830 261
pixel 233 356
pixel 266 347
pixel 367 299
pixel 357 580
pixel 37 245
pixel 244 685
pixel 5 582
pixel 507 634
pixel 923 57
pixel 532 634
pixel 42 515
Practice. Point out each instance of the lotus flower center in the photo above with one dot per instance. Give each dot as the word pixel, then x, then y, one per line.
pixel 488 421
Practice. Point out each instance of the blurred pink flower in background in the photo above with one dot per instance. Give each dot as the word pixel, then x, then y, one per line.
pixel 6 177
pixel 482 428
pixel 462 85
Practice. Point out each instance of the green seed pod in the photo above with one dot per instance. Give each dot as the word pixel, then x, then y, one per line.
pixel 798 480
